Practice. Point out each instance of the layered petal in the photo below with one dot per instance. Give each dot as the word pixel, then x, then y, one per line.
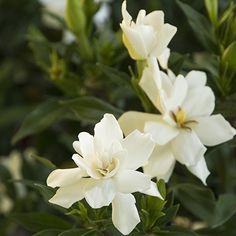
pixel 101 193
pixel 152 191
pixel 124 213
pixel 139 148
pixel 151 81
pixel 161 132
pixel 161 163
pixel 199 102
pixel 132 120
pixel 155 18
pixel 130 181
pixel 213 130
pixel 163 58
pixel 85 145
pixel 200 170
pixel 187 148
pixel 64 177
pixel 106 132
pixel 66 196
pixel 196 79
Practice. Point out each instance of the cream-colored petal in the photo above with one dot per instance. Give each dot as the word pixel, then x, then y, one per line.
pixel 124 213
pixel 139 147
pixel 155 19
pixel 64 177
pixel 130 181
pixel 164 58
pixel 196 79
pixel 187 148
pixel 106 132
pixel 153 191
pixel 214 130
pixel 161 163
pixel 133 120
pixel 66 196
pixel 85 145
pixel 126 16
pixel 199 102
pixel 101 194
pixel 161 132
pixel 200 170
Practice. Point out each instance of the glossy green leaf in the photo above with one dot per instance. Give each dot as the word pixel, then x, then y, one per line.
pixel 212 9
pixel 35 222
pixel 229 56
pixel 200 26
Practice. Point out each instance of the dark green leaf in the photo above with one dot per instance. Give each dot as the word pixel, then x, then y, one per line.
pixel 48 232
pixel 229 56
pixel 200 25
pixel 40 221
pixel 78 232
pixel 44 161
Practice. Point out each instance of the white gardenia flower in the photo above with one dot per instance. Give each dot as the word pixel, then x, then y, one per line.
pixel 185 125
pixel 148 36
pixel 106 172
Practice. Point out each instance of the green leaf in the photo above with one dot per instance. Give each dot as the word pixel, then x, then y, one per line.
pixel 89 109
pixel 162 188
pixel 200 26
pixel 35 222
pixel 229 56
pixel 44 161
pixel 212 9
pixel 48 232
pixel 39 119
pixel 200 201
pixel 80 232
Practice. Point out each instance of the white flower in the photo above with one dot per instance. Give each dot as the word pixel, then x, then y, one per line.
pixel 185 124
pixel 106 172
pixel 148 36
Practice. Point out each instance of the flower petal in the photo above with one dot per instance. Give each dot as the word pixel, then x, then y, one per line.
pixel 126 16
pixel 214 130
pixel 130 181
pixel 101 194
pixel 139 148
pixel 151 81
pixel 153 191
pixel 161 163
pixel 165 35
pixel 106 132
pixel 132 120
pixel 161 132
pixel 85 145
pixel 196 79
pixel 64 177
pixel 200 170
pixel 187 148
pixel 164 58
pixel 155 19
pixel 66 196
pixel 199 101
pixel 124 213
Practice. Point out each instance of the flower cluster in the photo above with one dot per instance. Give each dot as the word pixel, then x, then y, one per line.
pixel 107 163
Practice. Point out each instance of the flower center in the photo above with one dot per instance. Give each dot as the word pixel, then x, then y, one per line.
pixel 180 118
pixel 107 169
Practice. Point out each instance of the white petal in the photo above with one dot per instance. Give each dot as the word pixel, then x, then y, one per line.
pixel 134 43
pixel 139 148
pixel 155 19
pixel 161 132
pixel 63 177
pixel 200 170
pixel 199 101
pixel 130 181
pixel 124 213
pixel 161 163
pixel 164 37
pixel 164 58
pixel 85 145
pixel 151 81
pixel 101 194
pixel 106 132
pixel 196 79
pixel 153 191
pixel 178 93
pixel 126 16
pixel 187 148
pixel 214 130
pixel 66 196
pixel 132 120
